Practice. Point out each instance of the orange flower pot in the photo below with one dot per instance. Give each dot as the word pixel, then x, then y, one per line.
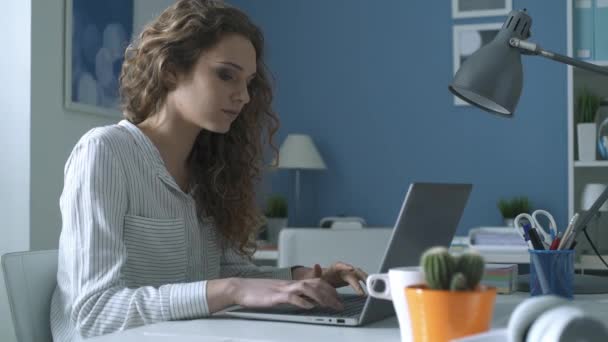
pixel 440 315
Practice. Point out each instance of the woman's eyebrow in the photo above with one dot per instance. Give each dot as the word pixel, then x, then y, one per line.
pixel 238 67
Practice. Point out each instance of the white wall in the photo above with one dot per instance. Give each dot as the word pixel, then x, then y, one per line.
pixel 14 139
pixel 146 10
pixel 38 134
pixel 54 129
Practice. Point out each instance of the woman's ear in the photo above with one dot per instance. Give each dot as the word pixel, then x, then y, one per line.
pixel 526 313
pixel 170 76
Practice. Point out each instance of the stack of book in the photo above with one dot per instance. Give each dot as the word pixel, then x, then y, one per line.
pixel 496 236
pixel 501 276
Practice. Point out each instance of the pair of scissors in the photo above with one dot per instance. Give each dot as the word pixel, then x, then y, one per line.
pixel 547 235
pixel 523 227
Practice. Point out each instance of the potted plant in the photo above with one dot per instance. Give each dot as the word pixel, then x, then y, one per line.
pixel 510 208
pixel 276 217
pixel 452 304
pixel 587 104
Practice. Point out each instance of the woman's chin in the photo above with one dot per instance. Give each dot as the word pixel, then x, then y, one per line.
pixel 219 128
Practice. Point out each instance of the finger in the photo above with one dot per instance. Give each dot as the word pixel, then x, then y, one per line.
pixel 362 275
pixel 353 281
pixel 324 293
pixel 317 271
pixel 331 292
pixel 307 290
pixel 298 301
pixel 343 266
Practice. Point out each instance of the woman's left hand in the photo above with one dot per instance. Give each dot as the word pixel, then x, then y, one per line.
pixel 340 274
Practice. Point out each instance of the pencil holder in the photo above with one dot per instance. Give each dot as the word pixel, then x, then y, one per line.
pixel 552 272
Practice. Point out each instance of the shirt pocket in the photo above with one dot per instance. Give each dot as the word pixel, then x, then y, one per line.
pixel 156 251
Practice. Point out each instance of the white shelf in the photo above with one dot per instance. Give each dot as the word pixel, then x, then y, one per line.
pixel 593 163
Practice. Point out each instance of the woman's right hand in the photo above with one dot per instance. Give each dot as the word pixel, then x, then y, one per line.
pixel 306 294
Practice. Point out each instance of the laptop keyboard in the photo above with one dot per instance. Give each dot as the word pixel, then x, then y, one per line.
pixel 353 305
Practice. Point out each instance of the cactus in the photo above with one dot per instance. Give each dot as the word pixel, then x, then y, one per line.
pixel 438 266
pixel 445 272
pixel 472 266
pixel 459 282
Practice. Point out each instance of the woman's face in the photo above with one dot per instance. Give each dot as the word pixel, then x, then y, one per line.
pixel 213 94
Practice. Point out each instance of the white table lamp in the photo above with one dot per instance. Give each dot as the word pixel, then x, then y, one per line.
pixel 298 152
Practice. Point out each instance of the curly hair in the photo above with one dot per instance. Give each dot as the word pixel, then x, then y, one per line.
pixel 224 168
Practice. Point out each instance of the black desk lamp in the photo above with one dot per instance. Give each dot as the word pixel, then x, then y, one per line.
pixel 492 79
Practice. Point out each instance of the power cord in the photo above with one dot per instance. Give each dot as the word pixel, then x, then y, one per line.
pixel 594 248
pixel 597 216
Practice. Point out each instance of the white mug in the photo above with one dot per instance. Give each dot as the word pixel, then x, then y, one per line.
pixel 395 283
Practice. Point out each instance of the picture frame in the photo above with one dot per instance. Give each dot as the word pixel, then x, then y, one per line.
pixel 466 40
pixel 96 36
pixel 480 8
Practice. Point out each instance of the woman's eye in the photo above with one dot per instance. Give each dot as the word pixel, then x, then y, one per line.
pixel 225 75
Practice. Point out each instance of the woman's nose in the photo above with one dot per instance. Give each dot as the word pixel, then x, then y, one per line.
pixel 243 95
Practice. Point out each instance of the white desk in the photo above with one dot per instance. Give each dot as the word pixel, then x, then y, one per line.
pixel 240 330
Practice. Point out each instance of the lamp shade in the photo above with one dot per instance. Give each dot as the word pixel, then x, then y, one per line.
pixel 299 152
pixel 492 77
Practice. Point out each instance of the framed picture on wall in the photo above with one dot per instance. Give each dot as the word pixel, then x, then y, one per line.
pixel 96 36
pixel 469 38
pixel 480 8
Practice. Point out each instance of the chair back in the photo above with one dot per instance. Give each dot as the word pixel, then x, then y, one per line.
pixel 30 279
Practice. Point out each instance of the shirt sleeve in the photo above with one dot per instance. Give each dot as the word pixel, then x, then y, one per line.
pixel 93 205
pixel 233 264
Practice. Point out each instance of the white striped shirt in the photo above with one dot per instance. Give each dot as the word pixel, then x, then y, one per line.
pixel 132 250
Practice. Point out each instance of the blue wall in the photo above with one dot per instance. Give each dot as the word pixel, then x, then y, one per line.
pixel 368 81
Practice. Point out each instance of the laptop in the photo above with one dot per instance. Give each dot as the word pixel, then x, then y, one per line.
pixel 428 217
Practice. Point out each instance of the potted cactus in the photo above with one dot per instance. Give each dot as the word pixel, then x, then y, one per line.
pixel 452 304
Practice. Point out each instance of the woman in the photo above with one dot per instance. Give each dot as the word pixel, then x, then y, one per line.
pixel 158 211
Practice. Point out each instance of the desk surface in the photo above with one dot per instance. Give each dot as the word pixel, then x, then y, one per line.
pixel 241 330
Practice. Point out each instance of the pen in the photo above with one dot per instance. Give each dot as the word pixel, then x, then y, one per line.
pixel 536 242
pixel 568 232
pixel 555 243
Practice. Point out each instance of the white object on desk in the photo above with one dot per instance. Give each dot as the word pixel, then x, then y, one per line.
pixel 342 222
pixel 503 254
pixel 266 254
pixel 549 319
pixel 395 282
pixel 501 236
pixel 491 254
pixel 567 323
pixel 363 248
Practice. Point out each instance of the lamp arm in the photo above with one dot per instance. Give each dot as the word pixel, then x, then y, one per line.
pixel 535 49
pixel 594 210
